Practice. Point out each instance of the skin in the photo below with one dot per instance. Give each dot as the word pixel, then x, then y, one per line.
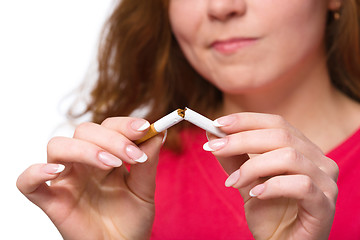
pixel 285 167
pixel 90 198
pixel 281 71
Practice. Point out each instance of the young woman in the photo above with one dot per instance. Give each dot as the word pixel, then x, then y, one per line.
pixel 283 80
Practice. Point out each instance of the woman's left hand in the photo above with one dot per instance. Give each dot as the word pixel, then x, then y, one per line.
pixel 288 184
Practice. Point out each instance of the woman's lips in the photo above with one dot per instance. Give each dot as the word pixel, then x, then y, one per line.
pixel 232 45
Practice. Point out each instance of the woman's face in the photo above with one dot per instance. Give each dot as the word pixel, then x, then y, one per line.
pixel 240 45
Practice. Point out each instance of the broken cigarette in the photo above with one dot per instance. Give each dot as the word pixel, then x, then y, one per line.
pixel 202 122
pixel 163 124
pixel 177 116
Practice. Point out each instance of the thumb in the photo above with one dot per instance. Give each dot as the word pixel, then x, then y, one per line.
pixel 141 179
pixel 32 183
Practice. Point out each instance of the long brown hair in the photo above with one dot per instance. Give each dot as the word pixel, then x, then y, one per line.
pixel 343 44
pixel 141 64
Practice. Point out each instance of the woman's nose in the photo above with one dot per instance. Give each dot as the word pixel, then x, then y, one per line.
pixel 222 10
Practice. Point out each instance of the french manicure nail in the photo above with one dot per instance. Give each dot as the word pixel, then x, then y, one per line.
pixel 136 154
pixel 207 136
pixel 207 148
pixel 257 190
pixel 140 125
pixel 224 121
pixel 210 136
pixel 233 178
pixel 164 138
pixel 53 168
pixel 109 159
pixel 215 145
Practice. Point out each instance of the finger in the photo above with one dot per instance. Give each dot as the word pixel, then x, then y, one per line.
pixel 133 128
pixel 114 142
pixel 210 136
pixel 246 121
pixel 266 140
pixel 260 141
pixel 279 162
pixel 32 182
pixel 299 187
pixel 69 150
pixel 229 164
pixel 141 179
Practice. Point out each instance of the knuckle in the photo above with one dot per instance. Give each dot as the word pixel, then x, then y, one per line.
pixel 31 175
pixel 279 120
pixel 284 137
pixel 26 178
pixel 20 185
pixel 333 169
pixel 333 190
pixel 53 142
pixel 108 122
pixel 330 168
pixel 19 182
pixel 306 185
pixel 82 128
pixel 291 155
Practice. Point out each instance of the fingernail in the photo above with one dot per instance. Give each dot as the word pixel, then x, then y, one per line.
pixel 207 136
pixel 136 154
pixel 233 178
pixel 140 125
pixel 215 145
pixel 53 168
pixel 164 138
pixel 109 159
pixel 224 121
pixel 258 190
pixel 210 136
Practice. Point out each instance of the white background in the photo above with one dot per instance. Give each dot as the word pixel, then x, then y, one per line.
pixel 46 49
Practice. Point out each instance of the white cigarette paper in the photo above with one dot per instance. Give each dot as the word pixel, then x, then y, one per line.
pixel 168 121
pixel 202 122
pixel 163 124
pixel 177 116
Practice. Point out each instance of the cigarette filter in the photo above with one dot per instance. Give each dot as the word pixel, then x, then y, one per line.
pixel 202 122
pixel 163 124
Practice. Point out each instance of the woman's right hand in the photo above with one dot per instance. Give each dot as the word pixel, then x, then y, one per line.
pixel 96 197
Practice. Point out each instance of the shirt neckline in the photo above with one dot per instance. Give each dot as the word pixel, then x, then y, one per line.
pixel 352 140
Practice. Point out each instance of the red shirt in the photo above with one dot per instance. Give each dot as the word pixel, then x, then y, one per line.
pixel 192 201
